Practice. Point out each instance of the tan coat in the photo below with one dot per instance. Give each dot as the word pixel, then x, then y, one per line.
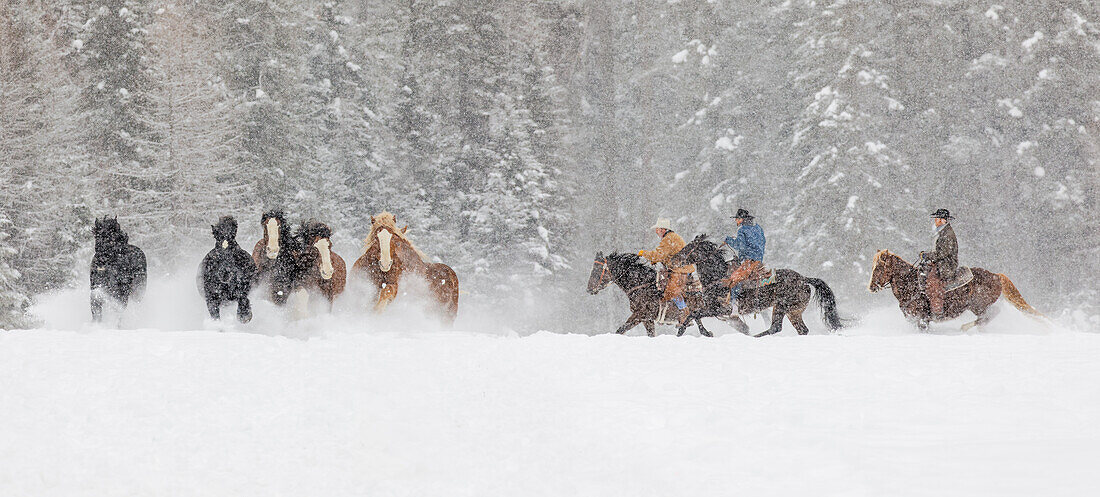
pixel 670 244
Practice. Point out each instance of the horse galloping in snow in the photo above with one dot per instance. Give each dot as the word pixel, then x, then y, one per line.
pixel 389 254
pixel 787 294
pixel 326 270
pixel 118 269
pixel 278 258
pixel 977 295
pixel 227 272
pixel 639 281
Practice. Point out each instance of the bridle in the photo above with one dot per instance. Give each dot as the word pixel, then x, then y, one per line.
pixel 599 283
pixel 882 286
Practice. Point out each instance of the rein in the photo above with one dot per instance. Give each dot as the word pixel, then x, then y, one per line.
pixel 605 270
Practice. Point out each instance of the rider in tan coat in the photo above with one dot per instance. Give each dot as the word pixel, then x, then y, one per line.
pixel 670 244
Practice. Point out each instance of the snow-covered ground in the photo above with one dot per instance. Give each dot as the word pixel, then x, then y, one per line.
pixel 394 405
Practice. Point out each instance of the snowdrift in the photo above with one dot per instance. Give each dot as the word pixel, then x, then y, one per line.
pixel 354 404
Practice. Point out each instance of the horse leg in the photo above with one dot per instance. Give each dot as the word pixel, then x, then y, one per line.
pixel 702 331
pixel 684 324
pixel 386 294
pixel 300 304
pixel 97 306
pixel 740 325
pixel 777 323
pixel 650 329
pixel 795 317
pixel 984 316
pixel 631 322
pixel 244 309
pixel 214 307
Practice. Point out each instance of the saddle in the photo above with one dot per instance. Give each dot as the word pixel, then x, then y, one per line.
pixel 693 285
pixel 762 276
pixel 963 275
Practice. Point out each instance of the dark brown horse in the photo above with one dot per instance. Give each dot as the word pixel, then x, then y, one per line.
pixel 279 257
pixel 325 269
pixel 639 281
pixel 977 296
pixel 788 296
pixel 389 255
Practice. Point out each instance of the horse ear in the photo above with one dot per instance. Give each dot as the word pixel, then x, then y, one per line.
pixel 372 219
pixel 599 255
pixel 405 229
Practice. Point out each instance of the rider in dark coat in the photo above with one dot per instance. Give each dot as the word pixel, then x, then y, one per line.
pixel 942 262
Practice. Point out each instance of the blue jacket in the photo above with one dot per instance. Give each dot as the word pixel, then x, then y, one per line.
pixel 749 243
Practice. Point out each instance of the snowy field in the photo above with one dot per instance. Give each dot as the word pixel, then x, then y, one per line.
pixel 392 405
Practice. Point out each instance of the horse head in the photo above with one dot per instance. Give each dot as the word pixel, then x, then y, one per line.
pixel 385 233
pixel 225 232
pixel 700 250
pixel 886 264
pixel 318 235
pixel 601 275
pixel 276 232
pixel 108 233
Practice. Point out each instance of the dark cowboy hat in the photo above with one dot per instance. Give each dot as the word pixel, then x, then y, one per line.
pixel 942 214
pixel 742 214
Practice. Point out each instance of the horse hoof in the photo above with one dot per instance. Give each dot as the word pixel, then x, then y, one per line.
pixel 706 333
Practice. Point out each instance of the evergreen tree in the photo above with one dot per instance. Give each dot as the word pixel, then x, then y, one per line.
pixel 113 58
pixel 196 116
pixel 341 169
pixel 13 299
pixel 261 71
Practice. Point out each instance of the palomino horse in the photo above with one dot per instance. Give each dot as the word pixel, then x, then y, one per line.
pixel 278 257
pixel 118 269
pixel 787 296
pixel 639 282
pixel 389 254
pixel 325 269
pixel 977 296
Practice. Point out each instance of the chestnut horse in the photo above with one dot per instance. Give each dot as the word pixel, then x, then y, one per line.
pixel 325 269
pixel 389 254
pixel 977 296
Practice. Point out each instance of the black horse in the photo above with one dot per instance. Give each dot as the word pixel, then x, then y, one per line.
pixel 118 268
pixel 639 282
pixel 787 296
pixel 227 272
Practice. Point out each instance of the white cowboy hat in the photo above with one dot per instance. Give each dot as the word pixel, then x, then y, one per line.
pixel 663 224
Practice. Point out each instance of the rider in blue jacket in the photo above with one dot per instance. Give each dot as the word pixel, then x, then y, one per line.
pixel 749 245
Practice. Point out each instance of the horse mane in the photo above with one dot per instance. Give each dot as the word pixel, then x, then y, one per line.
pixel 631 260
pixel 315 229
pixel 389 221
pixel 881 254
pixel 275 213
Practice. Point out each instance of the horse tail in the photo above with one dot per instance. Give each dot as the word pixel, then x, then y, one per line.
pixel 827 301
pixel 1013 295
